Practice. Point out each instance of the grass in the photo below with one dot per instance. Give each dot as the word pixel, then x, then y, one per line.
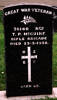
pixel 2 63
pixel 47 98
pixel 55 60
pixel 2 56
pixel 2 52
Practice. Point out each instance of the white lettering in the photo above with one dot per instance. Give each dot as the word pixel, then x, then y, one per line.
pixel 11 12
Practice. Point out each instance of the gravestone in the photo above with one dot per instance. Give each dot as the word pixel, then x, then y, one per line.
pixel 28 49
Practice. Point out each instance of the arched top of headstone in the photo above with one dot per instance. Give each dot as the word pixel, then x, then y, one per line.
pixel 41 8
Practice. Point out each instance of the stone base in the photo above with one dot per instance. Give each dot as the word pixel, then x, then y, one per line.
pixel 3 96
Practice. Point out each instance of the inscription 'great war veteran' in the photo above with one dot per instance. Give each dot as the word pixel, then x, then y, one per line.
pixel 10 12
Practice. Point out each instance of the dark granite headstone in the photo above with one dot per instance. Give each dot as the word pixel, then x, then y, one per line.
pixel 28 49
